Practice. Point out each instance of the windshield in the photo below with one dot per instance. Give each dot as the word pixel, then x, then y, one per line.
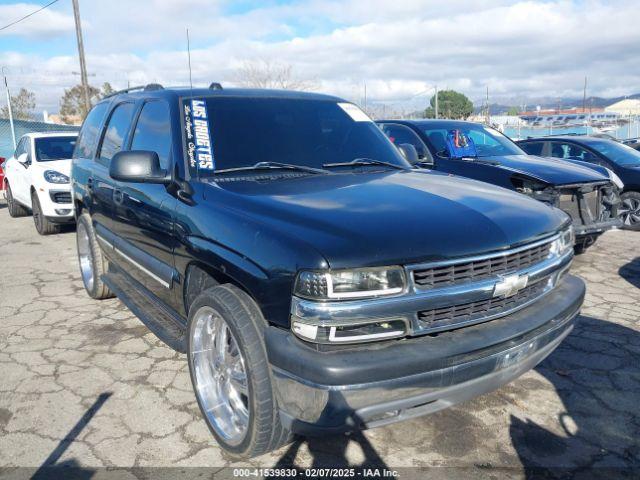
pixel 616 152
pixel 233 132
pixel 54 148
pixel 487 141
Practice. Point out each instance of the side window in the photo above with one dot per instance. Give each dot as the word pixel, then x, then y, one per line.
pixel 532 148
pixel 116 131
pixel 88 138
pixel 153 131
pixel 399 134
pixel 21 148
pixel 573 152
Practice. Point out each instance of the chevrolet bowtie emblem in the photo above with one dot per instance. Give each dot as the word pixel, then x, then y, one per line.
pixel 509 285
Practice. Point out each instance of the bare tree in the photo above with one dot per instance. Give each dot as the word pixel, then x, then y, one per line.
pixel 267 74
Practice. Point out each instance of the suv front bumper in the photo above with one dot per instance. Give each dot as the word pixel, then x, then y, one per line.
pixel 375 384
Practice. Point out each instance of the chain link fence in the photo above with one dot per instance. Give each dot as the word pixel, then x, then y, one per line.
pixel 25 126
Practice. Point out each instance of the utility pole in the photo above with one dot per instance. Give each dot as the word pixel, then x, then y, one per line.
pixel 13 131
pixel 436 101
pixel 584 96
pixel 83 65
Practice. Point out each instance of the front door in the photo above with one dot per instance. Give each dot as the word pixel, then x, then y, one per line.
pixel 143 217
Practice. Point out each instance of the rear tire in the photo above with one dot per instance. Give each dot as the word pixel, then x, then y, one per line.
pixel 93 263
pixel 43 226
pixel 629 210
pixel 234 389
pixel 15 209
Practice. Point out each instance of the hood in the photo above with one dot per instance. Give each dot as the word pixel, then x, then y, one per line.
pixel 62 166
pixel 552 171
pixel 400 217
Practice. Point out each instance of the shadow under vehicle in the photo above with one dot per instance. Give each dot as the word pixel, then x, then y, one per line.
pixel 472 150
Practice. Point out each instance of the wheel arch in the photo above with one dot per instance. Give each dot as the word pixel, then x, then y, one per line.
pixel 200 276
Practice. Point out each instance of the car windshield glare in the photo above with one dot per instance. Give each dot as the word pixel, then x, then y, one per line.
pixel 617 152
pixel 54 148
pixel 235 133
pixel 487 141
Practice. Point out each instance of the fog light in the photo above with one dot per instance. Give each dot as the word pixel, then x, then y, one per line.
pixel 63 211
pixel 365 332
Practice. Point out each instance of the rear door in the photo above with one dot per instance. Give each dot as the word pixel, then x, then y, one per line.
pixel 143 219
pixel 114 136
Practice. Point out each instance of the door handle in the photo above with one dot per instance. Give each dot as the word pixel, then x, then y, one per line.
pixel 89 183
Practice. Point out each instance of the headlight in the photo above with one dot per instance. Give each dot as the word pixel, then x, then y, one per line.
pixel 349 284
pixel 564 242
pixel 615 179
pixel 52 176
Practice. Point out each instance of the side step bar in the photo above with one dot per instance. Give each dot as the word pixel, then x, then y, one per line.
pixel 164 323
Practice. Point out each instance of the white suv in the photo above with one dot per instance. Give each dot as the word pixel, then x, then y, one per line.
pixel 37 180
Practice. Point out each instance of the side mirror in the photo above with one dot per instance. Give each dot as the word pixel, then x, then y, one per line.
pixel 23 158
pixel 409 152
pixel 138 166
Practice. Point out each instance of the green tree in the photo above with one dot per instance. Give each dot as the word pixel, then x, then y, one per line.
pixel 451 104
pixel 72 102
pixel 22 105
pixel 513 111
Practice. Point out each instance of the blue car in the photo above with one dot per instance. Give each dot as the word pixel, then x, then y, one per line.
pixel 586 192
pixel 621 159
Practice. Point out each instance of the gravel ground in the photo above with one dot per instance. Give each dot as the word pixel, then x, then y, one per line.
pixel 84 384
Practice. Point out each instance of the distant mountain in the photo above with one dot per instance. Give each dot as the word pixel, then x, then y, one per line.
pixel 548 103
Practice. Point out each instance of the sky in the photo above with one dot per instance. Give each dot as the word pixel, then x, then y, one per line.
pixel 399 49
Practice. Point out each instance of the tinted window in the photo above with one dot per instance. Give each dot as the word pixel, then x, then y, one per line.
pixel 400 134
pixel 532 148
pixel 153 131
pixel 572 151
pixel 487 141
pixel 116 131
pixel 88 138
pixel 616 152
pixel 54 148
pixel 306 132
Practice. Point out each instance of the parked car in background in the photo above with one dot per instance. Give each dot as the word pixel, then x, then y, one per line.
pixel 633 143
pixel 37 180
pixel 317 283
pixel 619 158
pixel 472 150
pixel 2 160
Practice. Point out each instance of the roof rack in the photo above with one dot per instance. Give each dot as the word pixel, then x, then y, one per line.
pixel 146 88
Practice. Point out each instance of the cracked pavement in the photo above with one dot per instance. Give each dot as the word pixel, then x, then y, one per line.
pixel 88 376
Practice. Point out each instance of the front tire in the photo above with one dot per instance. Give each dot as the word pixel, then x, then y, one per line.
pixel 43 226
pixel 15 209
pixel 629 211
pixel 93 263
pixel 230 372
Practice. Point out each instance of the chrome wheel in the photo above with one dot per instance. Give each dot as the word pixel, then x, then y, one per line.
pixel 84 256
pixel 220 377
pixel 630 211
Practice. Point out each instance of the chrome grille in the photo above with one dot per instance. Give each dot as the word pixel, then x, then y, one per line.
pixel 458 315
pixel 472 271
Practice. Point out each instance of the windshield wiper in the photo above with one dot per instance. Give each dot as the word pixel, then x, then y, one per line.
pixel 274 165
pixel 364 161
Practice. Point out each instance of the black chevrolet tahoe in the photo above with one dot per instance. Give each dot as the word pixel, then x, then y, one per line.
pixel 315 281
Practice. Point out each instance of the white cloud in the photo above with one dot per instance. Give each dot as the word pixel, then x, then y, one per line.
pixel 400 49
pixel 46 23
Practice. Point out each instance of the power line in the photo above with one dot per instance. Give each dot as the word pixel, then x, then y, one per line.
pixel 29 15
